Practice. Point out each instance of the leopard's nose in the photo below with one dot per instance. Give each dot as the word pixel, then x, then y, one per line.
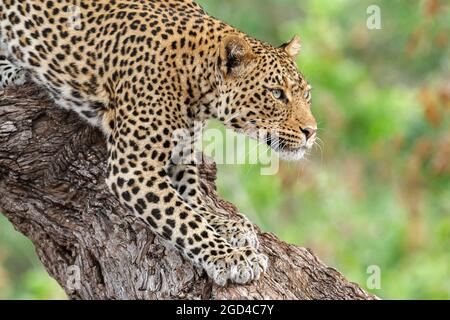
pixel 309 132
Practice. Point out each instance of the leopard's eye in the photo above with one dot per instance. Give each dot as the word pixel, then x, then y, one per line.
pixel 278 94
pixel 307 95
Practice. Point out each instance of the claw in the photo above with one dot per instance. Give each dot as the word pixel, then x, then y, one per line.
pixel 239 266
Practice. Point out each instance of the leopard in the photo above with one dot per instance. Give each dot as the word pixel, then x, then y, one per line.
pixel 142 70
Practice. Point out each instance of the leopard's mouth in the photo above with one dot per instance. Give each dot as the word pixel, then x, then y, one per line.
pixel 292 155
pixel 286 148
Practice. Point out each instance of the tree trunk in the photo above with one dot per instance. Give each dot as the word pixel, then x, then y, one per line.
pixel 52 170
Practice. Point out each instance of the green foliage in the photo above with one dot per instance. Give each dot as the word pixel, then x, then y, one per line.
pixel 378 191
pixel 21 275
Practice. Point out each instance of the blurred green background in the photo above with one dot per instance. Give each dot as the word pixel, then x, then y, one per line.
pixel 377 192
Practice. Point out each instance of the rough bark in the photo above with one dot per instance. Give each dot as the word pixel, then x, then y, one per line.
pixel 52 169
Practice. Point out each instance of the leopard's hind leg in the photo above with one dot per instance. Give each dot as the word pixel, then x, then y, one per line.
pixel 10 74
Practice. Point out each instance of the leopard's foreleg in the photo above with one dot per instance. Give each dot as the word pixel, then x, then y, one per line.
pixel 139 154
pixel 239 233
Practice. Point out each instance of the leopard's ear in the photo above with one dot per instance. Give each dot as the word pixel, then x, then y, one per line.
pixel 236 55
pixel 293 47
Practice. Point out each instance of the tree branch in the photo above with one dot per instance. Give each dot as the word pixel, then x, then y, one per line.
pixel 52 170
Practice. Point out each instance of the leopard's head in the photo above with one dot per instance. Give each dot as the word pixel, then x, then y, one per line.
pixel 264 95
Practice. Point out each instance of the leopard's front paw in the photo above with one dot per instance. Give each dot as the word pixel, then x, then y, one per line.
pixel 239 233
pixel 241 266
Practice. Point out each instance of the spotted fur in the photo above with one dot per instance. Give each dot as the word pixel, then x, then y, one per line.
pixel 144 69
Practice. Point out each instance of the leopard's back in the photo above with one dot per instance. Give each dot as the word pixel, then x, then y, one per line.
pixel 78 50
